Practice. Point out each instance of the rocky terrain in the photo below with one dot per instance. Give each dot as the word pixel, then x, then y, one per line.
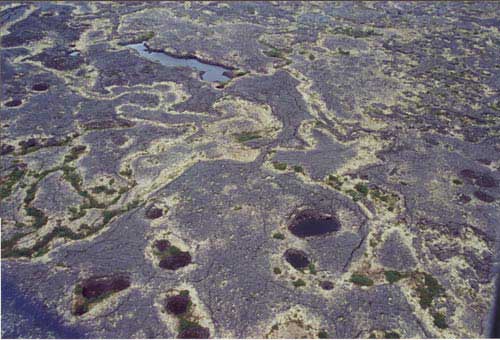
pixel 342 182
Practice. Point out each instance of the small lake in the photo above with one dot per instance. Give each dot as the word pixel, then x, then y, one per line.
pixel 210 73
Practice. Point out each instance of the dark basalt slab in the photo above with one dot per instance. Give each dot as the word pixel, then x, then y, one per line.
pixel 194 332
pixel 96 287
pixel 312 223
pixel 297 258
pixel 177 304
pixel 162 245
pixel 176 261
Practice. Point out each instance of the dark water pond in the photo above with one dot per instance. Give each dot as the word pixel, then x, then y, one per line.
pixel 23 317
pixel 312 223
pixel 212 73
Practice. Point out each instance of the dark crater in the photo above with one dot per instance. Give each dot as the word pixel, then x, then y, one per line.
pixel 13 103
pixel 326 285
pixel 482 196
pixel 486 181
pixel 5 149
pixel 297 258
pixel 154 212
pixel 177 304
pixel 40 87
pixel 162 245
pixel 194 332
pixel 96 287
pixel 176 261
pixel 313 223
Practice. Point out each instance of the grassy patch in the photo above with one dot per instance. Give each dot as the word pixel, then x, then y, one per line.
pixel 355 196
pixel 361 188
pixel 126 172
pixel 312 269
pixel 74 153
pixel 39 218
pixel 440 320
pixel 76 213
pixel 103 189
pixel 279 236
pixel 185 324
pixel 298 168
pixel 334 181
pixel 280 166
pixel 247 136
pixel 12 179
pixel 322 334
pixel 361 280
pixel 299 283
pixel 276 270
pixel 391 335
pixel 428 290
pixel 393 276
pixel 274 53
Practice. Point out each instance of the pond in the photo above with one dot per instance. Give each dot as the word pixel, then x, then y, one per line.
pixel 211 73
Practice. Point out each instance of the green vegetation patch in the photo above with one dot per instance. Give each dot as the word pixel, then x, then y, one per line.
pixel 440 320
pixel 279 236
pixel 8 183
pixel 322 334
pixel 247 136
pixel 393 276
pixel 299 283
pixel 361 188
pixel 428 290
pixel 361 280
pixel 391 335
pixel 334 181
pixel 280 166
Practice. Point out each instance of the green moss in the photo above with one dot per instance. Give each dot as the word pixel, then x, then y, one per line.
pixel 12 179
pixel 322 334
pixel 391 335
pixel 30 193
pixel 126 172
pixel 456 181
pixel 107 215
pixel 185 324
pixel 184 293
pixel 393 276
pixel 440 320
pixel 312 269
pixel 42 251
pixel 76 213
pixel 361 280
pixel 246 136
pixel 280 166
pixel 429 290
pixel 103 189
pixel 361 188
pixel 311 57
pixel 299 283
pixel 78 289
pixel 74 153
pixel 355 196
pixel 65 232
pixel 279 236
pixel 343 52
pixel 355 32
pixel 298 168
pixel 39 218
pixel 334 181
pixel 277 270
pixel 274 53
